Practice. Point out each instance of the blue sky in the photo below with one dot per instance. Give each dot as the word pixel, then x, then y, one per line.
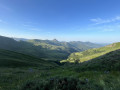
pixel 65 20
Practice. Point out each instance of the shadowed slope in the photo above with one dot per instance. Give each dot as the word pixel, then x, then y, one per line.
pixel 14 59
pixel 47 49
pixel 107 62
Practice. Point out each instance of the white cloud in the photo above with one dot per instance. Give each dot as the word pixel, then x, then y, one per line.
pixel 35 29
pixel 108 30
pixel 116 18
pixel 25 25
pixel 49 32
pixel 102 21
pixel 1 21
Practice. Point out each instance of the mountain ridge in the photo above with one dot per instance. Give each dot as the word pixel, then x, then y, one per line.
pixel 47 49
pixel 92 53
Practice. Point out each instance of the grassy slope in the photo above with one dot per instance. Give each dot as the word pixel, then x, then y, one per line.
pixel 14 59
pixel 95 71
pixel 60 50
pixel 92 53
pixel 101 73
pixel 107 62
pixel 65 46
pixel 31 49
pixel 14 78
pixel 46 49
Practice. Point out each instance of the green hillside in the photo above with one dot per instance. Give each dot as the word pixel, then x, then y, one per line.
pixel 31 49
pixel 54 45
pixel 101 73
pixel 46 49
pixel 91 53
pixel 107 62
pixel 14 59
pixel 70 46
pixel 85 45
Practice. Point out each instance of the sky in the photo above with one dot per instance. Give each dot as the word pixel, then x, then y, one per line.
pixel 66 20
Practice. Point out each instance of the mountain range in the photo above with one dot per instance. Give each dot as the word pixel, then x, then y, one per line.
pixel 46 49
pixel 92 53
pixel 32 64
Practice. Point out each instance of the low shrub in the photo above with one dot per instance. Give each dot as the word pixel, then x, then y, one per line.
pixel 61 83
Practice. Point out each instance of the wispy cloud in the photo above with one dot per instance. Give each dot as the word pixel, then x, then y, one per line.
pixel 108 30
pixel 29 26
pixel 103 21
pixel 26 25
pixel 4 7
pixel 1 21
pixel 35 29
pixel 49 32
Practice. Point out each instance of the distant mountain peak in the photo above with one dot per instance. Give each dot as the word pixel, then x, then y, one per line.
pixel 55 40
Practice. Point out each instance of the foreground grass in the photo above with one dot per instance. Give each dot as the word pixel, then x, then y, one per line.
pixel 15 78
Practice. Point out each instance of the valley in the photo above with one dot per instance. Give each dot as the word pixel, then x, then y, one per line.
pixel 46 49
pixel 85 69
pixel 59 44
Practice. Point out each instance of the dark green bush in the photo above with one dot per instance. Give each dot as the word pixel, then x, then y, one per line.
pixel 61 83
